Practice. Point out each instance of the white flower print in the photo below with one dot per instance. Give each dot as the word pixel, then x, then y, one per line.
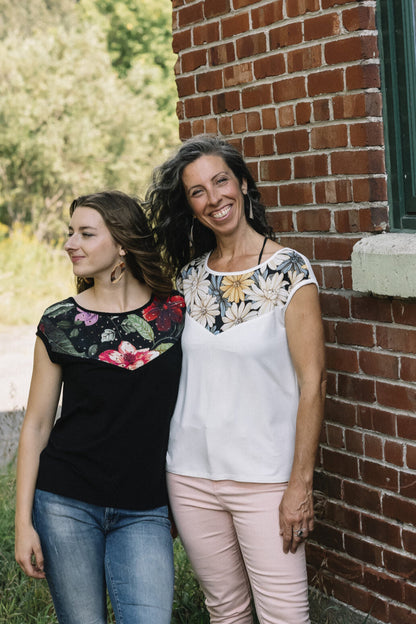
pixel 195 284
pixel 269 292
pixel 237 314
pixel 276 260
pixel 294 278
pixel 205 309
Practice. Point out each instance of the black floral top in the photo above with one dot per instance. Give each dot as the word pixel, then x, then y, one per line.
pixel 120 380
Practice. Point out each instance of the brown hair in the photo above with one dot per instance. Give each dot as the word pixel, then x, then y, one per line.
pixel 127 223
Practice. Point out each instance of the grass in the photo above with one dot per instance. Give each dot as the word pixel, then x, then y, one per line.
pixel 32 276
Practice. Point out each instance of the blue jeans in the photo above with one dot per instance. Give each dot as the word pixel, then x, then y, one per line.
pixel 88 548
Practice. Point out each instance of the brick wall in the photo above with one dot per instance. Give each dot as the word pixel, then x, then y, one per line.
pixel 295 85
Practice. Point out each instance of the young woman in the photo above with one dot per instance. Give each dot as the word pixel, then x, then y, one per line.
pixel 246 425
pixel 91 510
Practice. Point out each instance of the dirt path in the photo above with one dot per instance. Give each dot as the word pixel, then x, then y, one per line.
pixel 16 355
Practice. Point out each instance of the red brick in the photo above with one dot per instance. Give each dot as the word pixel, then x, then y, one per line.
pixel 181 40
pixel 377 475
pixel 375 419
pixel 327 81
pixel 296 194
pixel 385 584
pixel 393 452
pixel 303 113
pixel 410 597
pixel 393 395
pixel 400 565
pixel 340 411
pixel 192 60
pixel 349 106
pixel 253 121
pixel 286 116
pixel 300 7
pixel 211 125
pixel 344 566
pixel 267 14
pixel 239 123
pixel 409 541
pixel 406 427
pixel 356 388
pixel 401 615
pixel 292 141
pixel 326 4
pixel 365 161
pixel 268 117
pixel 271 65
pixel 373 104
pixel 289 89
pixel 379 218
pixel 269 198
pixel 198 127
pixel 225 53
pixel 185 86
pixel 342 517
pixel 238 4
pixel 347 277
pixel 213 8
pixel 185 131
pixel 197 107
pixel 259 95
pixel 351 49
pixel 361 549
pixel 359 18
pixel 303 244
pixel 224 125
pixel 209 81
pixel 321 27
pixel 362 496
pixel 329 136
pixel 371 308
pixel 332 276
pixel 304 59
pixel 191 14
pixel 227 101
pixel 259 145
pixel 354 220
pixel 313 220
pixel 333 192
pixel 281 220
pixel 369 189
pixel 354 333
pixel 238 74
pixel 235 25
pixel 404 312
pixel 407 484
pixel 334 304
pixel 379 364
pixel 354 441
pixel 207 33
pixel 251 45
pixel 408 369
pixel 334 436
pixel 397 339
pixel 321 110
pixel 311 166
pixel 373 446
pixel 362 77
pixel 283 36
pixel 365 134
pixel 328 536
pixel 334 248
pixel 337 462
pixel 278 169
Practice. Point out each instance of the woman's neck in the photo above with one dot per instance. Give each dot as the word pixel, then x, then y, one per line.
pixel 128 294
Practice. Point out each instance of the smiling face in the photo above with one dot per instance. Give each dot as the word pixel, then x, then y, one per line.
pixel 214 194
pixel 90 246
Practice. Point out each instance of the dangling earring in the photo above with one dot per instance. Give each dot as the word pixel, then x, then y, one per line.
pixel 250 209
pixel 191 233
pixel 117 272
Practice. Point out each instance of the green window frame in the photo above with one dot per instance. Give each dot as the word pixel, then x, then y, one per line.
pixel 397 44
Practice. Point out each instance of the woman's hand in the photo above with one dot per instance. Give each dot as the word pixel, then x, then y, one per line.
pixel 296 515
pixel 28 552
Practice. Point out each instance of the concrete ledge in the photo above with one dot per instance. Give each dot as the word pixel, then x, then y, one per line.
pixel 385 264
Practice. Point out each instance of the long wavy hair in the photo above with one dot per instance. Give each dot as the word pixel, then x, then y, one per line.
pixel 128 225
pixel 170 212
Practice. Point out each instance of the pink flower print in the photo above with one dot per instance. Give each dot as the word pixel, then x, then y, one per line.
pixel 127 356
pixel 165 311
pixel 89 318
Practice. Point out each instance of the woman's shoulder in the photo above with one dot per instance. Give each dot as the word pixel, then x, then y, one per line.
pixel 59 308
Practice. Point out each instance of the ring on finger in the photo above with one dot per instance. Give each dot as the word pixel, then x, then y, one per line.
pixel 299 532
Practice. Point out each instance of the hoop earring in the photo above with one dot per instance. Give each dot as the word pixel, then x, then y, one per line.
pixel 117 272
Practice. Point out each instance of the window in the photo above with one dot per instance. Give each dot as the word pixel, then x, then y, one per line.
pixel 397 43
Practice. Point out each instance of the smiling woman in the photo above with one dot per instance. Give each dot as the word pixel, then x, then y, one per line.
pixel 91 508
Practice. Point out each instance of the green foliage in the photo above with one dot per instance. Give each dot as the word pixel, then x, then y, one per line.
pixel 33 275
pixel 69 124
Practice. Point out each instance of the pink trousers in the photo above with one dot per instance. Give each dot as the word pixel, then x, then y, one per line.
pixel 230 532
